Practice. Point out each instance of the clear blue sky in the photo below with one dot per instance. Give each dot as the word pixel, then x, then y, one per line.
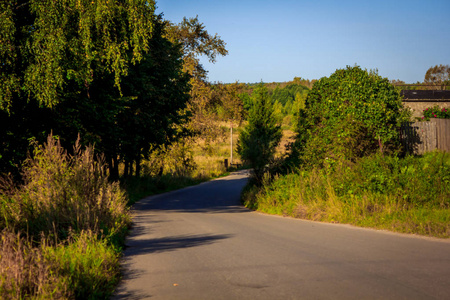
pixel 278 40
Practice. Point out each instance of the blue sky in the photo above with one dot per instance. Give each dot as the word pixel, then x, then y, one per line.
pixel 278 40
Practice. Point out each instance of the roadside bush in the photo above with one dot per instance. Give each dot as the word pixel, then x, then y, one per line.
pixel 351 114
pixel 416 181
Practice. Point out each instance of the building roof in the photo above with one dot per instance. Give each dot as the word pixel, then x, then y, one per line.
pixel 425 95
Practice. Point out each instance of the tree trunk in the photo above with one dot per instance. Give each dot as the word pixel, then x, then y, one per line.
pixel 131 168
pixel 138 166
pixel 126 169
pixel 114 168
pixel 380 144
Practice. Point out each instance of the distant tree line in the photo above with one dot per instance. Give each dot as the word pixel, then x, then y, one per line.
pixel 436 77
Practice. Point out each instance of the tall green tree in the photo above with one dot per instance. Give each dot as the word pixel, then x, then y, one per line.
pixel 51 52
pixel 260 137
pixel 196 42
pixel 160 91
pixel 144 114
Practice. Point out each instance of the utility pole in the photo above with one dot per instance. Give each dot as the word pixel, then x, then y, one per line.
pixel 231 142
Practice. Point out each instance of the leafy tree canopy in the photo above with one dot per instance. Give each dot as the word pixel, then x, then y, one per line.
pixel 102 69
pixel 44 44
pixel 196 41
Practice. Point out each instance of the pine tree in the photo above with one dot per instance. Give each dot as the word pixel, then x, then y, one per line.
pixel 260 137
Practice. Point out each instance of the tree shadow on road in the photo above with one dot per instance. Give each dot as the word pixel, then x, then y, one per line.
pixel 218 196
pixel 146 246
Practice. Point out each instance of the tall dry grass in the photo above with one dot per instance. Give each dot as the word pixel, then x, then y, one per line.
pixel 63 192
pixel 25 272
pixel 61 228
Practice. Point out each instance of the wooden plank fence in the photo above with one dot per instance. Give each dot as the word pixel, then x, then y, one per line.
pixel 421 137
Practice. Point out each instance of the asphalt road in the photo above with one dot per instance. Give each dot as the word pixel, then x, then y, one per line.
pixel 199 243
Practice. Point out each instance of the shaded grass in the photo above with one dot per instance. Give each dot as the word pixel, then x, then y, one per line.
pixel 410 195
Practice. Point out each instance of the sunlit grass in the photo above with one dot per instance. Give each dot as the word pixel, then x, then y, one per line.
pixel 410 195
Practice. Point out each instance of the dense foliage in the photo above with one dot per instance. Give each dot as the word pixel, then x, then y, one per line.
pixel 351 114
pixel 289 95
pixel 115 78
pixel 48 45
pixel 345 168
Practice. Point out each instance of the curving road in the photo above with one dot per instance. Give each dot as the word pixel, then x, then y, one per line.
pixel 199 243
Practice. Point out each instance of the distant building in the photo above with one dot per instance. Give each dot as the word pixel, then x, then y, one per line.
pixel 418 100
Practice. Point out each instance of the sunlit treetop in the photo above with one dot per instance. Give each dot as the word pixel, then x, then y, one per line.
pixel 196 42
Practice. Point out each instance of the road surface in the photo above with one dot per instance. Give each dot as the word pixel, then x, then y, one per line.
pixel 199 243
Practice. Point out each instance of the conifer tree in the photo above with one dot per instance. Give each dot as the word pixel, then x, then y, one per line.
pixel 260 137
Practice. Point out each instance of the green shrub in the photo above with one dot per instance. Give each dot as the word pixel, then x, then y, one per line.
pixel 351 114
pixel 418 181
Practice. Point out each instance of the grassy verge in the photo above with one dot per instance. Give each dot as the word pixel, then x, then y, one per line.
pixel 61 231
pixel 410 195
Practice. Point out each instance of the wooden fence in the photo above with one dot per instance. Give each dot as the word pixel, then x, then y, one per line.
pixel 421 137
